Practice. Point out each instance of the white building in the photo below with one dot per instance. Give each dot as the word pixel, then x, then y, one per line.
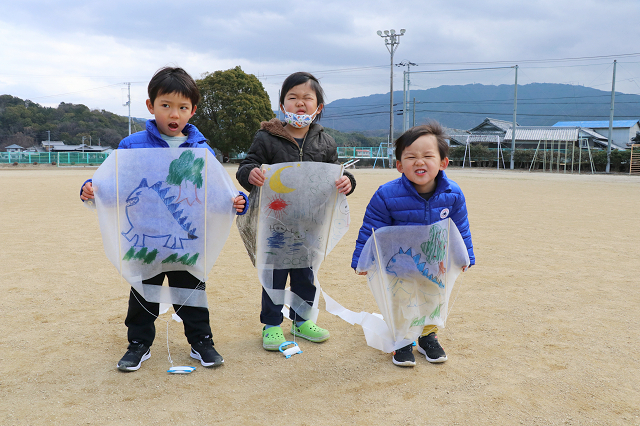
pixel 621 133
pixel 14 148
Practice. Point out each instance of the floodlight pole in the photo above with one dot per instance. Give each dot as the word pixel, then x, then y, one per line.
pixel 613 97
pixel 391 41
pixel 513 127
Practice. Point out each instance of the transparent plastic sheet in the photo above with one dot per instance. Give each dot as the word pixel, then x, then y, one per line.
pixel 411 271
pixel 295 219
pixel 164 209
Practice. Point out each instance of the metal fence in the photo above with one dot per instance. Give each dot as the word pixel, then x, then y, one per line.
pixel 59 158
pixel 379 152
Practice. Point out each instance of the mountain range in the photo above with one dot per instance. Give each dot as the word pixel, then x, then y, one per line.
pixel 466 106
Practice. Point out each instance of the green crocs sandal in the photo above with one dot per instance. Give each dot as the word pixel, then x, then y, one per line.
pixel 272 338
pixel 310 331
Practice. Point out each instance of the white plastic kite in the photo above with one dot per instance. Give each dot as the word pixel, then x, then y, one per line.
pixel 295 219
pixel 164 209
pixel 411 271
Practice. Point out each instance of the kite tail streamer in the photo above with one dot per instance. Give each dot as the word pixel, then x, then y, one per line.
pixel 390 319
pixel 333 209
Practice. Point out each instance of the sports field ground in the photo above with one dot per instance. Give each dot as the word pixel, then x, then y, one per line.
pixel 544 330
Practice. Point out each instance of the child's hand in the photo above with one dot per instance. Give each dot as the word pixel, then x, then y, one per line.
pixel 464 268
pixel 238 203
pixel 361 272
pixel 344 185
pixel 256 177
pixel 87 192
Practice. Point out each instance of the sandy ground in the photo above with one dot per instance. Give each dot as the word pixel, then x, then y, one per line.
pixel 544 330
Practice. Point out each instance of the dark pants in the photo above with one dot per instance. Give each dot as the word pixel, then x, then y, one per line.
pixel 301 282
pixel 140 323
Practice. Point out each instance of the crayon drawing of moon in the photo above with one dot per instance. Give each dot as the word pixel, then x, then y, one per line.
pixel 276 184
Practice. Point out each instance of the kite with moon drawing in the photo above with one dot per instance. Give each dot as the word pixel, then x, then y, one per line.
pixel 294 221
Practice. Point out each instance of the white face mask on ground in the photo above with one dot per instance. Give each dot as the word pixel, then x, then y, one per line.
pixel 298 120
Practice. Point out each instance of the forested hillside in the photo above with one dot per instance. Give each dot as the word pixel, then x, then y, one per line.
pixel 26 123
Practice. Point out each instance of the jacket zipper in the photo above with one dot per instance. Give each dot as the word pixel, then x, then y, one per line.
pixel 302 145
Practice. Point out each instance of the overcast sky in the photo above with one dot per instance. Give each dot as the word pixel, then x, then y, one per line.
pixel 84 51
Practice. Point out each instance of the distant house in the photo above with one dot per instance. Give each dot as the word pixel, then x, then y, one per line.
pixel 490 132
pixel 48 145
pixel 456 136
pixel 35 149
pixel 492 126
pixel 80 148
pixel 621 134
pixel 532 137
pixel 59 146
pixel 14 148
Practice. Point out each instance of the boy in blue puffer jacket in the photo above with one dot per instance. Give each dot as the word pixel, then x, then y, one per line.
pixel 173 99
pixel 423 195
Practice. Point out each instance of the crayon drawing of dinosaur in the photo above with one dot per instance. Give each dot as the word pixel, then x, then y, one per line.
pixel 148 206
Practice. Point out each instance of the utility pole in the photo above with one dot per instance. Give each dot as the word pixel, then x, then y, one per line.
pixel 128 103
pixel 391 41
pixel 406 92
pixel 513 127
pixel 414 113
pixel 613 97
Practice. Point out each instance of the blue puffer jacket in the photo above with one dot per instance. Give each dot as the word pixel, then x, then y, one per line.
pixel 398 203
pixel 151 138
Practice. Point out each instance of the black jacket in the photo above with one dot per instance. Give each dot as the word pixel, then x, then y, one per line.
pixel 272 144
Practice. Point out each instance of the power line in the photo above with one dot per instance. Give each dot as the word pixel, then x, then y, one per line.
pixel 522 61
pixel 80 91
pixel 341 117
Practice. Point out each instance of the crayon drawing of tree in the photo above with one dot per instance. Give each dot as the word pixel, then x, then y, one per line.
pixel 185 172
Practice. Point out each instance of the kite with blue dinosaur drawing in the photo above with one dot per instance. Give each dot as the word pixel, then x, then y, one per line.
pixel 164 210
pixel 411 271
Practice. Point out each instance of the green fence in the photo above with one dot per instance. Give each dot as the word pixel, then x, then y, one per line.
pixel 59 158
pixel 362 152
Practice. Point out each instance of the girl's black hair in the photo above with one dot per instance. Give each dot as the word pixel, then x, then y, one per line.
pixel 173 80
pixel 432 128
pixel 298 78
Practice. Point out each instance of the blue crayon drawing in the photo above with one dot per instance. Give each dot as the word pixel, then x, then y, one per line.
pixel 146 203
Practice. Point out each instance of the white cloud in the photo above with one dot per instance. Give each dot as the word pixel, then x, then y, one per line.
pixel 54 52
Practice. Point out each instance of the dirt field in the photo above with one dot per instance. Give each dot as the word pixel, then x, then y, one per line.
pixel 545 329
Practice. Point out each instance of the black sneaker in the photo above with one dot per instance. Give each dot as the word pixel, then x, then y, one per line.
pixel 431 349
pixel 206 353
pixel 404 356
pixel 132 359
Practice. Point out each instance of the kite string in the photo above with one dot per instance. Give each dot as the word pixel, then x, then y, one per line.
pixel 168 350
pixel 206 191
pixel 158 316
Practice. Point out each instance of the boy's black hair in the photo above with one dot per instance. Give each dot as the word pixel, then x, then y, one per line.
pixel 298 78
pixel 432 128
pixel 173 80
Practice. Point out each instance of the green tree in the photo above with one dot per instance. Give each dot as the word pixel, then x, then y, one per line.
pixel 232 106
